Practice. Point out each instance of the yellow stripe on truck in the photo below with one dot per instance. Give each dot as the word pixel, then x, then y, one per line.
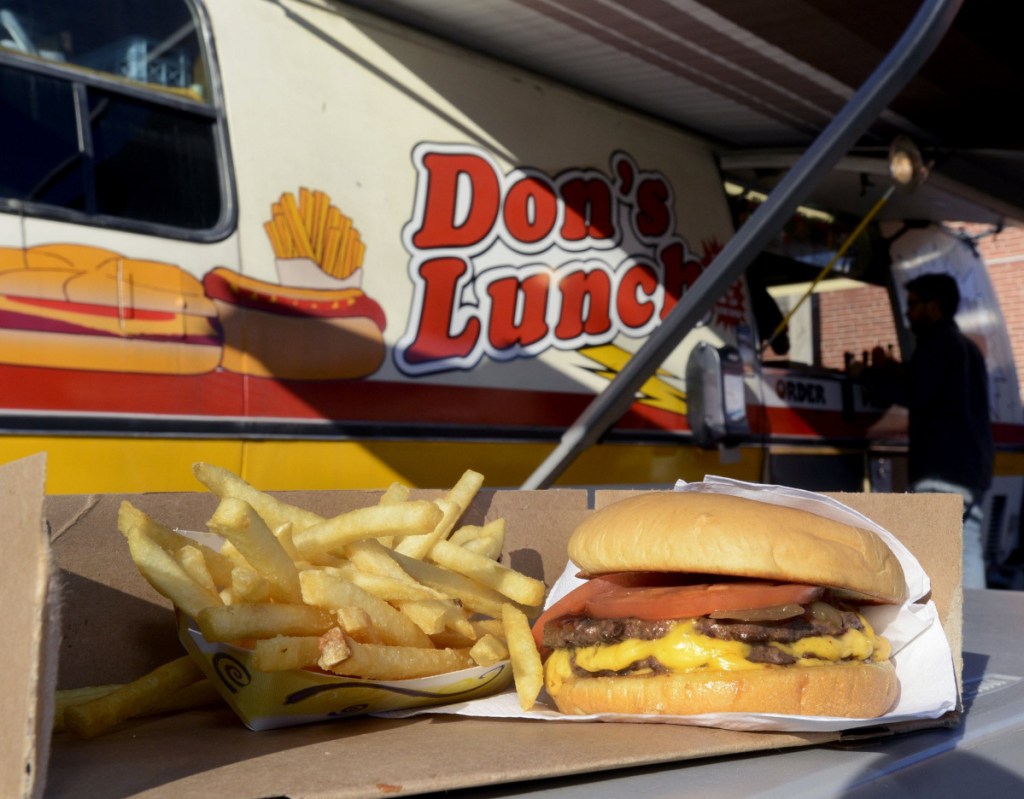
pixel 97 464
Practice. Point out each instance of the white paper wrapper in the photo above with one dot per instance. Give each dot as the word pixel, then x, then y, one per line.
pixel 924 662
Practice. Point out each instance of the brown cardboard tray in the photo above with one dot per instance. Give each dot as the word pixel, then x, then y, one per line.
pixel 114 627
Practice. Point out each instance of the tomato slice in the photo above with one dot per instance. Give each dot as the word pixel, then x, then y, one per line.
pixel 655 603
pixel 575 602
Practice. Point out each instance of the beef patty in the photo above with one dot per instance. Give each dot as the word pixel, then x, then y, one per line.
pixel 577 632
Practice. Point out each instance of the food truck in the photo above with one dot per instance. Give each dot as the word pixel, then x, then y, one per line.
pixel 328 249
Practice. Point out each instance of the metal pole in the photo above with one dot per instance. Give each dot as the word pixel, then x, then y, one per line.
pixel 917 43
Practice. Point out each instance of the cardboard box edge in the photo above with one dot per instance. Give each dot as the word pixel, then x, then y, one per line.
pixel 26 773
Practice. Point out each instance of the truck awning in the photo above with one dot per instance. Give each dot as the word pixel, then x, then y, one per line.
pixel 760 81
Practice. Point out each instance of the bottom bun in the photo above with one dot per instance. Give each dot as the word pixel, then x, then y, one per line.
pixel 856 690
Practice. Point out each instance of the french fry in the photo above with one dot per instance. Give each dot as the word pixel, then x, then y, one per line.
pixel 389 589
pixel 482 627
pixel 300 235
pixel 488 650
pixel 454 504
pixel 457 619
pixel 264 620
pixel 329 590
pixel 202 693
pixel 417 546
pixel 313 228
pixel 318 228
pixel 392 591
pixel 487 540
pixel 515 585
pixel 427 614
pixel 527 669
pixel 283 533
pixel 279 247
pixel 343 266
pixel 129 516
pixel 283 234
pixel 248 586
pixel 466 534
pixel 306 209
pixel 167 576
pixel 354 257
pixel 69 697
pixel 435 615
pixel 357 623
pixel 191 559
pixel 451 639
pixel 474 597
pixel 320 560
pixel 373 557
pixel 286 652
pixel 478 628
pixel 225 483
pixel 234 557
pixel 332 246
pixel 99 715
pixel 396 492
pixel 375 662
pixel 237 521
pixel 334 648
pixel 334 264
pixel 332 535
pixel 467 487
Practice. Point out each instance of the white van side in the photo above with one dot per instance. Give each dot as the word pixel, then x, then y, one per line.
pixel 326 250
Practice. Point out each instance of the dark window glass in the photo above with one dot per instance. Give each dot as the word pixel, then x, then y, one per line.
pixel 148 41
pixel 140 148
pixel 39 140
pixel 153 164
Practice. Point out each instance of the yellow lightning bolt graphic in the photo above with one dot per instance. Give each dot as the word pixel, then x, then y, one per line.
pixel 656 392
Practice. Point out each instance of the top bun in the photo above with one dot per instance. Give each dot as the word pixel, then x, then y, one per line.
pixel 723 534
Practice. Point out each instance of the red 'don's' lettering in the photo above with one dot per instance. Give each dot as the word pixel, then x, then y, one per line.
pixel 440 227
pixel 531 210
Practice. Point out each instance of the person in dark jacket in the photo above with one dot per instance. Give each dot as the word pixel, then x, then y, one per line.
pixel 944 386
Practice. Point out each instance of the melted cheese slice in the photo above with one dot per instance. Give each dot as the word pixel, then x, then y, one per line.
pixel 684 649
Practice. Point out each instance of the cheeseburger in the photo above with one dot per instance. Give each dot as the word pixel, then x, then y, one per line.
pixel 708 603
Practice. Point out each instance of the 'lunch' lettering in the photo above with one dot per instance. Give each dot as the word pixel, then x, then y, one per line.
pixel 509 264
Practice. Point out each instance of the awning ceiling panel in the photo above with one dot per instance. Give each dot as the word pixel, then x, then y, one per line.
pixel 761 80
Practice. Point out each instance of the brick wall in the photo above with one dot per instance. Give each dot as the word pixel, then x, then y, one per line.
pixel 1004 256
pixel 854 320
pixel 857 319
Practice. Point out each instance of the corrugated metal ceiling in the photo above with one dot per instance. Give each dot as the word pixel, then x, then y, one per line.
pixel 761 80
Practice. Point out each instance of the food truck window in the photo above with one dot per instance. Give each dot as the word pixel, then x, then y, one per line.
pixel 40 126
pixel 809 289
pixel 109 112
pixel 152 42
